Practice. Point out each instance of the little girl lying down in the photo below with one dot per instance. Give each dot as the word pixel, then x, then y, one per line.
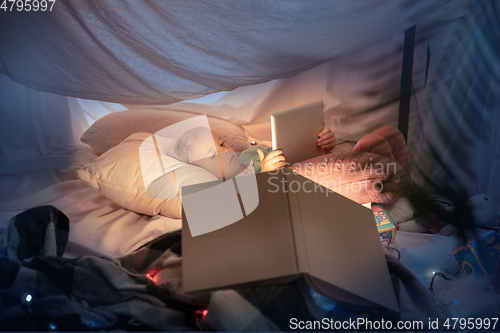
pixel 205 148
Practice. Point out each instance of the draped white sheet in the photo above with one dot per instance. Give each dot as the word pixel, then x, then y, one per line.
pixel 144 52
pixel 360 92
pixel 40 137
pixel 159 52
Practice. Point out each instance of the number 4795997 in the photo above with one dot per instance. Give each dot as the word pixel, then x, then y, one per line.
pixel 27 5
pixel 471 323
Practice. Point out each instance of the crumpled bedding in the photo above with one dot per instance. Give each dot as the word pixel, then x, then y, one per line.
pixel 42 290
pixel 143 290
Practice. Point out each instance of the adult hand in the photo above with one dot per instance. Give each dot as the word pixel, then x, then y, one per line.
pixel 274 160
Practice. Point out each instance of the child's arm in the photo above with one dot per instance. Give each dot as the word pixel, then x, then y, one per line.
pixel 272 161
pixel 326 139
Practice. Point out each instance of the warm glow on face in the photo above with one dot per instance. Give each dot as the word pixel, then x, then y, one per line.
pixel 220 145
pixel 223 161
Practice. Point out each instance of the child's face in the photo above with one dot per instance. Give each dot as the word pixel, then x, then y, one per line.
pixel 223 161
pixel 220 145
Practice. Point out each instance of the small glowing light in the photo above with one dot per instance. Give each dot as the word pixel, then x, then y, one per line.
pixel 151 274
pixel 52 326
pixel 201 313
pixel 433 272
pixel 29 298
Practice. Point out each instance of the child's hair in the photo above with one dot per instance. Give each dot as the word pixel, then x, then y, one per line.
pixel 183 147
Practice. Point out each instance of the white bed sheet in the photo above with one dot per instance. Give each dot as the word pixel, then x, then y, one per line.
pixel 97 225
pixel 424 253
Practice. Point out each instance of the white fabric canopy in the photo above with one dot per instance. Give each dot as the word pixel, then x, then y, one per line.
pixel 142 52
pixel 157 53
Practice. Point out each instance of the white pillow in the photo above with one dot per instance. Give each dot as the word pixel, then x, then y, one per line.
pixel 117 175
pixel 110 130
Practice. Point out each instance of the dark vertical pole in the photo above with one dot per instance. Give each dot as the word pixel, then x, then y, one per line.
pixel 406 78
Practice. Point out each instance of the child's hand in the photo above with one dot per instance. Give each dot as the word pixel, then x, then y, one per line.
pixel 274 160
pixel 326 139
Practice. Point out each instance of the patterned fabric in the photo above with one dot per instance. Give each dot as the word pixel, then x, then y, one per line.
pixel 360 176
